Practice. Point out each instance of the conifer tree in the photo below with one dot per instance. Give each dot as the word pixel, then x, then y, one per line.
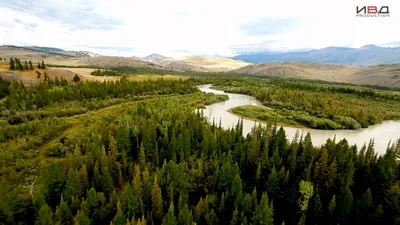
pixel 12 64
pixel 263 215
pixel 30 65
pixel 64 214
pixel 76 78
pixel 169 218
pixel 157 200
pixel 185 216
pixel 45 216
pixel 119 218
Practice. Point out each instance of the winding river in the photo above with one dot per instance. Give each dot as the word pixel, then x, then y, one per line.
pixel 381 133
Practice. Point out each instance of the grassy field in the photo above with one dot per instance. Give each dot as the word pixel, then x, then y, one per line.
pixel 29 77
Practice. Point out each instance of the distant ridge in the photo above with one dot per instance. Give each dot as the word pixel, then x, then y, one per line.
pixel 50 51
pixel 383 75
pixel 365 56
pixel 155 58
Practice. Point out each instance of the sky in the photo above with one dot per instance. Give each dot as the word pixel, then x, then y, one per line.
pixel 192 27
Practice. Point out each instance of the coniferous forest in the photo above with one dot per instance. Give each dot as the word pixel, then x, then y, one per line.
pixel 139 153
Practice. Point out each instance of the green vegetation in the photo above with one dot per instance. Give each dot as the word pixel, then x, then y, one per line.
pixel 76 78
pixel 17 64
pixel 315 105
pixel 139 153
pixel 128 71
pixel 281 117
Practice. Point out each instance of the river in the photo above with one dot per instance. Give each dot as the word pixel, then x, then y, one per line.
pixel 382 133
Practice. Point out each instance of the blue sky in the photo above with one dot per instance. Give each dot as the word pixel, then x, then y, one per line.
pixel 192 27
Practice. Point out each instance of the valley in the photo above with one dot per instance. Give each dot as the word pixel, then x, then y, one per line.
pixel 90 139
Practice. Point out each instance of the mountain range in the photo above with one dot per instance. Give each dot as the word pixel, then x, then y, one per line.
pixel 335 64
pixel 364 56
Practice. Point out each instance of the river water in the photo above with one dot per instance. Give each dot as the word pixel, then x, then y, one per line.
pixel 382 133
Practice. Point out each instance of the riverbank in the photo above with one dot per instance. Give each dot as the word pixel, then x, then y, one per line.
pixel 264 115
pixel 382 133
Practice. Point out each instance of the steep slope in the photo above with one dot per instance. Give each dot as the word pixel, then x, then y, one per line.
pixel 203 63
pixel 366 55
pixel 384 75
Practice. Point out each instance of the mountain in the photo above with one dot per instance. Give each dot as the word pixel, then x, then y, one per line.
pixel 383 75
pixel 70 58
pixel 154 58
pixel 42 52
pixel 364 56
pixel 203 63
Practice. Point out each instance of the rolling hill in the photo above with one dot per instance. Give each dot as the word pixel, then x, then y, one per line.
pixel 155 58
pixel 70 58
pixel 383 75
pixel 203 63
pixel 364 56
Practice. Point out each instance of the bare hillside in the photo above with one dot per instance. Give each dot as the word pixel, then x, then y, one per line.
pixel 384 75
pixel 116 61
pixel 70 58
pixel 203 63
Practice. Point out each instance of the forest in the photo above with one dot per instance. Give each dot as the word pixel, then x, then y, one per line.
pixel 318 105
pixel 136 153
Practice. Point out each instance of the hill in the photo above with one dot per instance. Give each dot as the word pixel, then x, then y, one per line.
pixel 43 52
pixel 383 75
pixel 364 56
pixel 155 58
pixel 116 61
pixel 69 58
pixel 203 63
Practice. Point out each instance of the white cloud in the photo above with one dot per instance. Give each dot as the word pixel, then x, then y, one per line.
pixel 180 27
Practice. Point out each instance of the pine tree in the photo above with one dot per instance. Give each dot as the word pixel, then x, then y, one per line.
pixel 169 218
pixel 137 182
pixel 185 216
pixel 142 157
pixel 82 219
pixel 39 66
pixel 76 78
pixel 258 174
pixel 332 205
pixel 234 219
pixel 237 190
pixel 43 65
pixel 263 215
pixel 64 214
pixel 45 216
pixel 130 203
pixel 254 150
pixel 30 65
pixel 157 200
pixel 12 64
pixel 73 187
pixel 119 218
pixel 26 66
pixel 83 177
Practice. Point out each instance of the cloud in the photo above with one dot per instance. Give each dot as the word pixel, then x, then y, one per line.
pixel 266 26
pixel 181 27
pixel 71 14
